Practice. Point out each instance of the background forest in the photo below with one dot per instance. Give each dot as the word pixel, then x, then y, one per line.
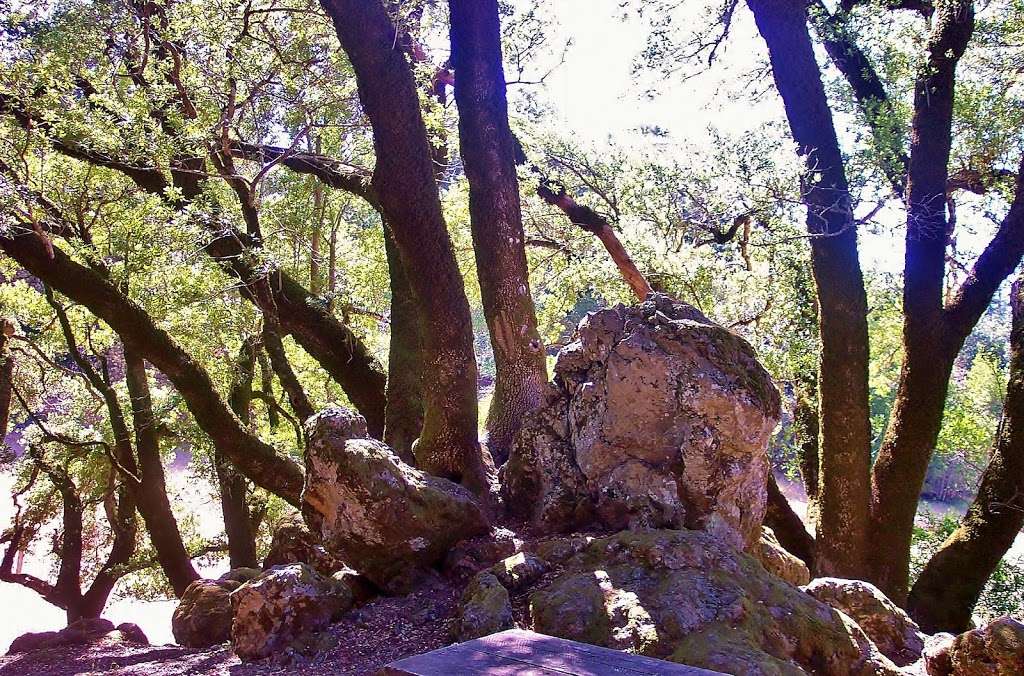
pixel 196 258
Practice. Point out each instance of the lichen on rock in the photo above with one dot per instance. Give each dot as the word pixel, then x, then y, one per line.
pixel 388 520
pixel 657 418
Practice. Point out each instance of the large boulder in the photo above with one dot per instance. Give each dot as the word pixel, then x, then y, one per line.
pixel 996 649
pixel 388 520
pixel 896 635
pixel 282 606
pixel 688 597
pixel 657 418
pixel 203 616
pixel 293 542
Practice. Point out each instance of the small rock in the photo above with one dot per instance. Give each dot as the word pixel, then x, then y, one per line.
pixel 132 633
pixel 293 542
pixel 278 610
pixel 468 557
pixel 896 635
pixel 240 575
pixel 203 616
pixel 519 571
pixel 778 561
pixel 484 608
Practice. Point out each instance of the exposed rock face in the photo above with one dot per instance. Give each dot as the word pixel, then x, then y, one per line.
pixel 89 630
pixel 281 606
pixel 776 560
pixel 896 635
pixel 293 542
pixel 203 616
pixel 390 521
pixel 997 649
pixel 690 598
pixel 657 418
pixel 484 608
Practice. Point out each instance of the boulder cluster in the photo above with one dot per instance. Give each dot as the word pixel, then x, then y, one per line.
pixel 636 495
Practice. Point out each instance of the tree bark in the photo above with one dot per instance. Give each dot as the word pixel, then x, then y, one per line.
pixel 151 495
pixel 283 368
pixel 488 154
pixel 257 460
pixel 233 489
pixel 404 181
pixel 404 415
pixel 6 376
pixel 929 347
pixel 843 369
pixel 944 595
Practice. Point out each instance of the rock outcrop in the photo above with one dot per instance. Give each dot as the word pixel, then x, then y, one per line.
pixel 996 649
pixel 388 520
pixel 778 561
pixel 293 542
pixel 897 636
pixel 88 630
pixel 657 418
pixel 688 597
pixel 282 606
pixel 203 616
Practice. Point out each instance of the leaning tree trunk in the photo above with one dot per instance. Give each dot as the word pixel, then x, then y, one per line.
pixel 254 458
pixel 151 493
pixel 488 153
pixel 944 595
pixel 930 342
pixel 404 180
pixel 843 388
pixel 233 487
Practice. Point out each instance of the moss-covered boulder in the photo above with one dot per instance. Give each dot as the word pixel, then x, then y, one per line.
pixel 690 598
pixel 995 649
pixel 484 608
pixel 387 520
pixel 203 616
pixel 658 418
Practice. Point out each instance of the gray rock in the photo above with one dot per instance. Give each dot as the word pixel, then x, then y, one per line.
pixel 278 610
pixel 690 598
pixel 389 521
pixel 656 418
pixel 896 635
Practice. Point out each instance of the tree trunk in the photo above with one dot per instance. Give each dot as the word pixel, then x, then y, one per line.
pixel 282 367
pixel 788 527
pixel 404 415
pixel 488 154
pixel 843 387
pixel 6 376
pixel 233 489
pixel 257 460
pixel 404 180
pixel 151 495
pixel 944 595
pixel 929 345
